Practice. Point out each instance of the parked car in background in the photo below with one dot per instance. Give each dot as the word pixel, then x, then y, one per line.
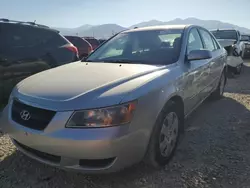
pixel 102 41
pixel 246 40
pixel 83 46
pixel 234 61
pixel 93 41
pixel 27 48
pixel 231 40
pixel 229 37
pixel 127 103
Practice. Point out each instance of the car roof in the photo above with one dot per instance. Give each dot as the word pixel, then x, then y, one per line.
pixel 160 27
pixel 28 25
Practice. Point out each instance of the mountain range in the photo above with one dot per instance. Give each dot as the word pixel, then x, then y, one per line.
pixel 107 30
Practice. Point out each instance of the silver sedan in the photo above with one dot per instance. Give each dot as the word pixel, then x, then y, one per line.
pixel 125 103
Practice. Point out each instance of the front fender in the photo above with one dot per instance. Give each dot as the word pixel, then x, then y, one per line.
pixel 149 107
pixel 147 111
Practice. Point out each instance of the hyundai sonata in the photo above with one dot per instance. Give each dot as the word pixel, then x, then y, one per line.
pixel 125 103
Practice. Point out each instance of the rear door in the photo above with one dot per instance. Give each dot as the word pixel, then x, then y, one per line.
pixel 216 62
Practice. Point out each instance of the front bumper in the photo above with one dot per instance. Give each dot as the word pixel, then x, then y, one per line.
pixel 86 150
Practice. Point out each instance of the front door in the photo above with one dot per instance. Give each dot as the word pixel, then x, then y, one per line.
pixel 196 73
pixel 215 63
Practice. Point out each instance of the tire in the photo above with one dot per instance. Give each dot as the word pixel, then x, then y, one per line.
pixel 218 93
pixel 162 147
pixel 238 69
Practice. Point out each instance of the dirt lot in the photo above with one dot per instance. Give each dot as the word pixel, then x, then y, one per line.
pixel 214 152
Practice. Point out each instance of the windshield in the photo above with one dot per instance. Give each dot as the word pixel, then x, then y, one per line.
pixel 146 47
pixel 225 34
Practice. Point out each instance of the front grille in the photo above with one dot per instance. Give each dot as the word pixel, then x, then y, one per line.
pixel 38 118
pixel 42 155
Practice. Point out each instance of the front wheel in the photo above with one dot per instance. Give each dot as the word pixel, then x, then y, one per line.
pixel 164 137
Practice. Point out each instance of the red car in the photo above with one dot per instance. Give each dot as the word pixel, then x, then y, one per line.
pixel 93 41
pixel 83 46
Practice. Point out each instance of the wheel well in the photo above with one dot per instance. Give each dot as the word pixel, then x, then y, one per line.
pixel 177 100
pixel 225 72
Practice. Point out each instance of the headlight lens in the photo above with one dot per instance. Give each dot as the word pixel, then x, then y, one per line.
pixel 103 117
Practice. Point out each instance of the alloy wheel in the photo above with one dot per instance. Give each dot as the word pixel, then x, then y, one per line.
pixel 169 134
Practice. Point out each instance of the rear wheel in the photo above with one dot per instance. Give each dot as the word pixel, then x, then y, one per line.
pixel 164 137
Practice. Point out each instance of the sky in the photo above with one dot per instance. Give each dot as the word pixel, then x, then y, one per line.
pixel 74 13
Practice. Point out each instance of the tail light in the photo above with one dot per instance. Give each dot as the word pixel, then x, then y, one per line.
pixel 72 48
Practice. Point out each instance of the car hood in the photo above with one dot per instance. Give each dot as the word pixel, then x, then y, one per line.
pixel 80 85
pixel 226 42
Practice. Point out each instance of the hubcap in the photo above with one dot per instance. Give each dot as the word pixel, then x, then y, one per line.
pixel 169 134
pixel 222 84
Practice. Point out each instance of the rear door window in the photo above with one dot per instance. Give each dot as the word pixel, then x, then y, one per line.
pixel 207 39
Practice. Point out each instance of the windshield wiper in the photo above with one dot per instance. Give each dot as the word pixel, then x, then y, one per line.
pixel 122 61
pixel 116 61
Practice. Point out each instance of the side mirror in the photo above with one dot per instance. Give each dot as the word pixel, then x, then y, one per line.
pixel 199 55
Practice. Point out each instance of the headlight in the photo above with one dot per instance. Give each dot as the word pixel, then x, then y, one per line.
pixel 103 117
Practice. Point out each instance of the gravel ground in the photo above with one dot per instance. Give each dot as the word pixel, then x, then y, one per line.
pixel 214 152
